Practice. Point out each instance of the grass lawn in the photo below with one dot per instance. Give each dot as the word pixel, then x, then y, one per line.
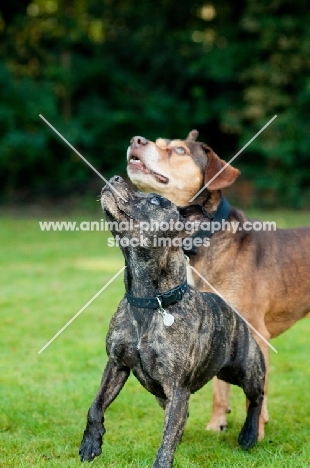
pixel 46 278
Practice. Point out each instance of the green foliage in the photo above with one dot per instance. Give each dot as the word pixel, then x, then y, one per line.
pixel 102 72
pixel 276 81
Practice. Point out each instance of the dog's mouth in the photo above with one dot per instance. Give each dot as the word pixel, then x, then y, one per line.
pixel 111 205
pixel 118 214
pixel 136 164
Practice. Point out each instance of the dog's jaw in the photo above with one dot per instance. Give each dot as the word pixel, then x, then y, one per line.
pixel 114 200
pixel 143 174
pixel 109 206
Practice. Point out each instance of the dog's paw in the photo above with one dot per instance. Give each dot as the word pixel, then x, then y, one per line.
pixel 218 424
pixel 247 438
pixel 89 449
pixel 91 445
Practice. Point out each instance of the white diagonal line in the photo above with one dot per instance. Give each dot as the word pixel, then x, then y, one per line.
pixel 80 311
pixel 235 310
pixel 232 159
pixel 82 157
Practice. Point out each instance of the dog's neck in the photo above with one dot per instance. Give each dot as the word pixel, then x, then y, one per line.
pixel 153 271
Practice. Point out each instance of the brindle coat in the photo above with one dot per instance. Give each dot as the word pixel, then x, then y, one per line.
pixel 206 339
pixel 264 275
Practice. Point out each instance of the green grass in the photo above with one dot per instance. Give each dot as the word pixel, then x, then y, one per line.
pixel 45 279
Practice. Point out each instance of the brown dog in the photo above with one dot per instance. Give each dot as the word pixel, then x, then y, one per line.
pixel 264 275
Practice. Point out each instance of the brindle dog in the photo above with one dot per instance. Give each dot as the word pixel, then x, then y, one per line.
pixel 264 275
pixel 171 360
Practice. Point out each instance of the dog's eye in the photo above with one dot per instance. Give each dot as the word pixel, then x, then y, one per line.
pixel 155 201
pixel 180 150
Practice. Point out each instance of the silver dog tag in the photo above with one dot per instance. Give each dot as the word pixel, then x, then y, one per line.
pixel 168 319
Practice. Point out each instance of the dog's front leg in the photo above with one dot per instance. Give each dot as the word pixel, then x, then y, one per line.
pixel 113 380
pixel 175 419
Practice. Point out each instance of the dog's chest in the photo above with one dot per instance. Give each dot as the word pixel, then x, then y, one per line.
pixel 142 351
pixel 152 351
pixel 189 351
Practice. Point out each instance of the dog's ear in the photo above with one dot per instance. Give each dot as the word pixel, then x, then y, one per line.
pixel 193 135
pixel 214 165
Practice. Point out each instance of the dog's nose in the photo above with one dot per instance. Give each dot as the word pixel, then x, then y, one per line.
pixel 138 141
pixel 117 178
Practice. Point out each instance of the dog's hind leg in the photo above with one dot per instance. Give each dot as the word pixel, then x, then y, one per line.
pixel 175 419
pixel 249 433
pixel 251 378
pixel 264 417
pixel 220 407
pixel 113 380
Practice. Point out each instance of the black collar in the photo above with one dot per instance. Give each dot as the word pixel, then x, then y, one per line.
pixel 167 298
pixel 220 215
